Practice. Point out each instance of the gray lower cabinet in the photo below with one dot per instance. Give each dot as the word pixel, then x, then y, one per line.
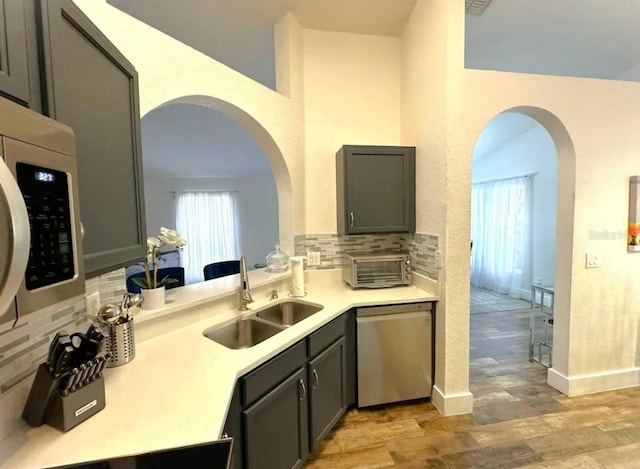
pixel 375 189
pixel 276 427
pixel 283 409
pixel 91 87
pixel 327 402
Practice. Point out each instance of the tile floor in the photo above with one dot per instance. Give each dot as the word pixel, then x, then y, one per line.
pixel 485 301
pixel 517 421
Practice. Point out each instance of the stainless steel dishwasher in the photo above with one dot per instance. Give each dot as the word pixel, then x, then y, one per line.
pixel 395 353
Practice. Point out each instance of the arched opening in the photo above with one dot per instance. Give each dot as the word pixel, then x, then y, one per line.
pixel 523 181
pixel 203 146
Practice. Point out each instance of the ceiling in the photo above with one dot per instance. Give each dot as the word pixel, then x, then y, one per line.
pixel 571 37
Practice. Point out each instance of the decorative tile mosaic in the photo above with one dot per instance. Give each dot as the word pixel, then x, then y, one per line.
pixel 421 247
pixel 24 347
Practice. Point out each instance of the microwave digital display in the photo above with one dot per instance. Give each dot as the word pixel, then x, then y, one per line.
pixel 46 195
pixel 45 176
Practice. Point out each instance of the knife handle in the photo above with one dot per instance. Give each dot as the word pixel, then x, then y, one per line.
pixel 72 379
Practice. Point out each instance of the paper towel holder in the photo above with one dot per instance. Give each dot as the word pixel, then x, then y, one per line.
pixel 297 277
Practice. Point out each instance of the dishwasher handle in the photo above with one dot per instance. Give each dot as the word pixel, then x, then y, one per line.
pixel 393 309
pixel 394 317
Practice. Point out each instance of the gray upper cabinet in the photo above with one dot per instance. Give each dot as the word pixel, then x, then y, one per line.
pixel 18 64
pixel 90 86
pixel 375 189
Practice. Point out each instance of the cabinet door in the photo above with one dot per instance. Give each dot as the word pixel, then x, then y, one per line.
pixel 93 88
pixel 376 189
pixel 327 393
pixel 233 428
pixel 351 376
pixel 14 69
pixel 277 426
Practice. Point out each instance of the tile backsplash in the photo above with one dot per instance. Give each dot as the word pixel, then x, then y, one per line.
pixel 25 346
pixel 421 247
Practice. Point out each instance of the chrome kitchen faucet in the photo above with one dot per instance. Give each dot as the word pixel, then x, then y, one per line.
pixel 244 293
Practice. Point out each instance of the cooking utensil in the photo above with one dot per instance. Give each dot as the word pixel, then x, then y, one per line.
pixel 109 313
pixel 131 304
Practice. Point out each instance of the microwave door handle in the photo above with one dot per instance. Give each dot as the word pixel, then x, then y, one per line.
pixel 21 236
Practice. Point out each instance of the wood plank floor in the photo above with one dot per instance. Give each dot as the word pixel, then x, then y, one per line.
pixel 518 421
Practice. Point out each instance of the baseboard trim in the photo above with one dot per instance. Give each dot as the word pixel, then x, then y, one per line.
pixel 452 404
pixel 597 382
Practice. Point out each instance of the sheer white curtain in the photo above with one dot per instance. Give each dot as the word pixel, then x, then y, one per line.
pixel 501 214
pixel 209 223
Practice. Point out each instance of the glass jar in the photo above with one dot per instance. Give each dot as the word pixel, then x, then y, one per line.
pixel 277 261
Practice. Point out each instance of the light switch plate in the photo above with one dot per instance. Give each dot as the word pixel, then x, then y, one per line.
pixel 92 303
pixel 591 260
pixel 313 258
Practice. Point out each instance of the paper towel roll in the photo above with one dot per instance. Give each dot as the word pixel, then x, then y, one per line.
pixel 297 275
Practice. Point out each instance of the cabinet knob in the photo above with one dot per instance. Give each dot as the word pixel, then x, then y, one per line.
pixel 352 219
pixel 315 379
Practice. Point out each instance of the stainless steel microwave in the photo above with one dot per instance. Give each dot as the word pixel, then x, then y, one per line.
pixel 39 208
pixel 377 269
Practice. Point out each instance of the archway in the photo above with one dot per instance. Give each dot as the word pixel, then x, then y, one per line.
pixel 268 146
pixel 551 125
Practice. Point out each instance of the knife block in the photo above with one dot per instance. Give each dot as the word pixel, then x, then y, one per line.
pixel 68 411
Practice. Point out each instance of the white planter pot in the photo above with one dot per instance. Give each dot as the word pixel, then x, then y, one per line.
pixel 152 298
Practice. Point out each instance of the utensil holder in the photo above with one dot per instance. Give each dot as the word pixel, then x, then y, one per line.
pixel 120 341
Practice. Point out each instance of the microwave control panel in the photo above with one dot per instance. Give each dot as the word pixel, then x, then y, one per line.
pixel 46 195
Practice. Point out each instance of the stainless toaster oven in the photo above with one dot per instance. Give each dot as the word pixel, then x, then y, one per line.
pixel 377 269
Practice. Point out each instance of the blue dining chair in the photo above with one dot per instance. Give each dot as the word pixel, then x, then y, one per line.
pixel 221 269
pixel 172 272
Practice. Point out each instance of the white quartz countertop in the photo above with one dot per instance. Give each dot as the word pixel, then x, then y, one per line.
pixel 177 389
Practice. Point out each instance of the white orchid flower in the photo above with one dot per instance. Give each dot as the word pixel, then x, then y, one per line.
pixel 153 242
pixel 171 237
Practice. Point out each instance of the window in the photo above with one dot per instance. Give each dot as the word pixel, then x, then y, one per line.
pixel 209 223
pixel 501 233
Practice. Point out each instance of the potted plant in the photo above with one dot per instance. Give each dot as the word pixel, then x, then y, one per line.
pixel 152 288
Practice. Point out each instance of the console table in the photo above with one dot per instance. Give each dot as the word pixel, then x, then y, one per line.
pixel 539 291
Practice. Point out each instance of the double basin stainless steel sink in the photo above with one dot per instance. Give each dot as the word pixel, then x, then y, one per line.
pixel 263 323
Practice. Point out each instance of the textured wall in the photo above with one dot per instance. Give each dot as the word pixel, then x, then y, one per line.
pixel 351 96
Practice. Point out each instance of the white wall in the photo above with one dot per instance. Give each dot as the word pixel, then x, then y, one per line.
pixel 351 96
pixel 531 152
pixel 257 207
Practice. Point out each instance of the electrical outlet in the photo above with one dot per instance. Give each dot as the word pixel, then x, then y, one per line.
pixel 313 258
pixel 92 303
pixel 591 260
pixel 537 281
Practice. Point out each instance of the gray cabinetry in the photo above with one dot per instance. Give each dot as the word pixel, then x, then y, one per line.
pixel 327 401
pixel 283 409
pixel 14 54
pixel 90 86
pixel 375 189
pixel 276 427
